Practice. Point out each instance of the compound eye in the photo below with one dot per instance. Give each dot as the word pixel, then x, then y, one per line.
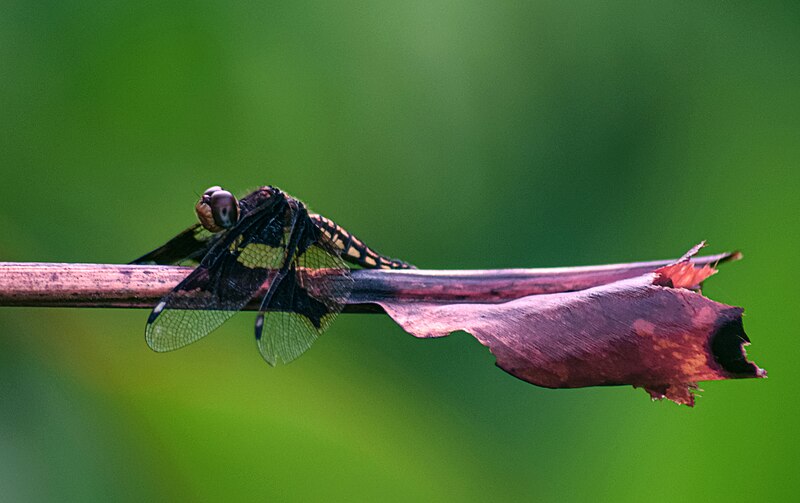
pixel 224 208
pixel 211 190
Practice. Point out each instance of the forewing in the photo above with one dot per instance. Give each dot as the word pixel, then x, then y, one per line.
pixel 231 273
pixel 304 304
pixel 187 247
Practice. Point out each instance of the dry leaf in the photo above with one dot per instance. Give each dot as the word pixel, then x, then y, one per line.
pixel 652 331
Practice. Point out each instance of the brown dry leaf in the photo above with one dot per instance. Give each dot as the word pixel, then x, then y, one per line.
pixel 652 331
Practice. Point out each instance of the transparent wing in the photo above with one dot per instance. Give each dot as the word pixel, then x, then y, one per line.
pixel 231 273
pixel 304 304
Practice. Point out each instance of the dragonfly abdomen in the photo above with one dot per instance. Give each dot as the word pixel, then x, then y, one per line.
pixel 353 249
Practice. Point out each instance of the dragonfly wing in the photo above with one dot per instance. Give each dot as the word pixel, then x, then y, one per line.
pixel 302 303
pixel 187 247
pixel 231 273
pixel 194 309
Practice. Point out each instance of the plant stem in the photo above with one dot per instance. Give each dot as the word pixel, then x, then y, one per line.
pixel 135 286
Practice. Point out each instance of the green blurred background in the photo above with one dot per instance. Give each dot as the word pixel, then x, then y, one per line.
pixel 452 134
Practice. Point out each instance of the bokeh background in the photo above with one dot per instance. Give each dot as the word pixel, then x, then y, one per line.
pixel 454 134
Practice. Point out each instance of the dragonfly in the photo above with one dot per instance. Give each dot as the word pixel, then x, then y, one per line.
pixel 266 243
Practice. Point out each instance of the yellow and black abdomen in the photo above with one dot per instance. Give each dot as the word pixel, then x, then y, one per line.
pixel 354 250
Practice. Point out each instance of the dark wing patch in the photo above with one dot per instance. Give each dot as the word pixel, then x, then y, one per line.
pixel 304 302
pixel 232 272
pixel 186 248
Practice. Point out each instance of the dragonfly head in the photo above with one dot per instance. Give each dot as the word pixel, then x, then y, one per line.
pixel 217 209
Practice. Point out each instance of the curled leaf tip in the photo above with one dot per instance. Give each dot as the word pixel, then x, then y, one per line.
pixel 683 274
pixel 713 353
